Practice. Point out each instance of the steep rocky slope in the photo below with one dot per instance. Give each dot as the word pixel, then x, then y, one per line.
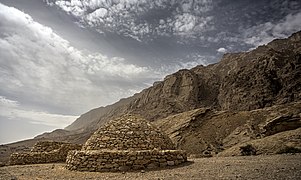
pixel 260 78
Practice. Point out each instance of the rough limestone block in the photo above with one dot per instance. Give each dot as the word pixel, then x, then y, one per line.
pixel 126 143
pixel 44 152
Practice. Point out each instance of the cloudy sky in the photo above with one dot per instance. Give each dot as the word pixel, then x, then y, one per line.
pixel 61 58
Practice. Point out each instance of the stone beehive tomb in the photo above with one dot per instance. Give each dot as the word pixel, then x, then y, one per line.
pixel 44 152
pixel 126 143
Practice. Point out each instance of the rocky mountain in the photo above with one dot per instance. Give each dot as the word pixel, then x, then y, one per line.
pixel 249 100
pixel 266 76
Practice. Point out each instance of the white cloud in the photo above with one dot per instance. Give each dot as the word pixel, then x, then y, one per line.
pixel 7 102
pixel 40 66
pixel 101 12
pixel 221 50
pixel 186 6
pixel 46 73
pixel 124 16
pixel 266 32
pixel 12 109
pixel 184 23
pixel 195 59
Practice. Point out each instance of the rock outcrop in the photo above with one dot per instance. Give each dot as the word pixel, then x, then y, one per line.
pixel 204 132
pixel 280 124
pixel 284 142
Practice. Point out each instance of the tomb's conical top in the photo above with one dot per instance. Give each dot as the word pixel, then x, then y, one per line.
pixel 128 132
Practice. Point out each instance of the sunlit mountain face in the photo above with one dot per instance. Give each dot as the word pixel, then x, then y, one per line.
pixel 60 58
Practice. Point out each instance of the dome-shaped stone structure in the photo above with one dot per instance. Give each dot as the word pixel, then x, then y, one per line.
pixel 128 132
pixel 126 143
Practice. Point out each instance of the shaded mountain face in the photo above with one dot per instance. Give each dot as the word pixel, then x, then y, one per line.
pixel 266 76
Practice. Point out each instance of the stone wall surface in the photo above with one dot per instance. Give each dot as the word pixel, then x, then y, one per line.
pixel 57 154
pixel 34 158
pixel 128 133
pixel 46 146
pixel 124 144
pixel 122 160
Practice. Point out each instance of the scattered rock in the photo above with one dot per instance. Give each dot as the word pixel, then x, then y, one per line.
pixel 280 124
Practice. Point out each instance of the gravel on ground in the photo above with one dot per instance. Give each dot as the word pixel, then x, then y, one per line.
pixel 242 167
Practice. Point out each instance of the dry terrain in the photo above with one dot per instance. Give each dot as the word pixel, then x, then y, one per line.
pixel 240 167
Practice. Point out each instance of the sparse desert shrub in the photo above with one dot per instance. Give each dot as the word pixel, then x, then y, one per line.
pixel 247 150
pixel 289 149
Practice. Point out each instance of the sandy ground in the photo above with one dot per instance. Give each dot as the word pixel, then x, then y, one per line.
pixel 247 167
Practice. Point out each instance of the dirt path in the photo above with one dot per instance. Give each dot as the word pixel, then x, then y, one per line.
pixel 256 167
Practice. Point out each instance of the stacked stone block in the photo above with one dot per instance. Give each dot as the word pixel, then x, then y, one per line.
pixel 46 146
pixel 128 133
pixel 44 152
pixel 112 160
pixel 126 143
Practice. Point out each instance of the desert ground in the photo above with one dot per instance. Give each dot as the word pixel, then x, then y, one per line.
pixel 242 167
